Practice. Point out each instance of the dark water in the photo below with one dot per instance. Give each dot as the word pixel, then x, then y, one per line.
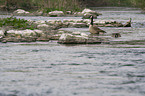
pixel 50 69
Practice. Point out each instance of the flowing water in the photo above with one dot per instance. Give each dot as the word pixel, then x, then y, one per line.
pixel 51 69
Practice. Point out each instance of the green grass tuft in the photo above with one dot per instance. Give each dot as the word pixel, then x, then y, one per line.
pixel 15 23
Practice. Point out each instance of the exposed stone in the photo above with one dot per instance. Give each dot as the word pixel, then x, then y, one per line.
pixel 42 38
pixel 56 13
pixel 93 41
pixel 38 13
pixel 1 33
pixel 4 41
pixel 109 25
pixel 20 12
pixel 88 12
pixel 55 37
pixel 78 25
pixel 78 39
pixel 76 33
pixel 24 33
pixel 78 14
pixel 42 25
pixel 127 24
pixel 68 12
pixel 40 22
pixel 71 39
pixel 116 35
pixel 88 15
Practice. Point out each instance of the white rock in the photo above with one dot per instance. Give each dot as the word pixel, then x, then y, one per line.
pixel 1 33
pixel 68 12
pixel 38 31
pixel 78 14
pixel 64 36
pixel 54 21
pixel 76 33
pixel 43 25
pixel 28 32
pixel 11 31
pixel 88 11
pixel 84 35
pixel 60 31
pixel 40 22
pixel 86 20
pixel 57 13
pixel 21 11
pixel 79 25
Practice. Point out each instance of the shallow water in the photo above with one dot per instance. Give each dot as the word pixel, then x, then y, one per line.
pixel 51 69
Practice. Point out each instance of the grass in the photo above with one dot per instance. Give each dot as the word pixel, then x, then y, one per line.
pixel 15 23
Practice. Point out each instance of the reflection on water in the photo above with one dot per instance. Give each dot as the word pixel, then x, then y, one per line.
pixel 50 69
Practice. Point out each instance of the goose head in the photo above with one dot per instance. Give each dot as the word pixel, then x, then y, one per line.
pixel 91 17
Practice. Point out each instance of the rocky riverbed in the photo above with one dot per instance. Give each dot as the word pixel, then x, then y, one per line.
pixel 86 13
pixel 50 30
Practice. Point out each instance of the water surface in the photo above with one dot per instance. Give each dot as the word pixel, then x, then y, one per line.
pixel 51 69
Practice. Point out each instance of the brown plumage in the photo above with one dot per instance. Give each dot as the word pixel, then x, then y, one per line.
pixel 94 29
pixel 128 24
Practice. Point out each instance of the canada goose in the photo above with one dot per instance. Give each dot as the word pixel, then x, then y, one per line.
pixel 128 24
pixel 94 29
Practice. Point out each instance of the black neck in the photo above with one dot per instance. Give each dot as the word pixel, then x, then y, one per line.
pixel 91 21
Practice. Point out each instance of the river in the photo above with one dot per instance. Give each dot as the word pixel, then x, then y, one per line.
pixel 51 69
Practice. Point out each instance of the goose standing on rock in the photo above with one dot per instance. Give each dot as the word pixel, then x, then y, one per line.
pixel 94 29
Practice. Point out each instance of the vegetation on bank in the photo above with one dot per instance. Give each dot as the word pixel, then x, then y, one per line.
pixel 13 22
pixel 45 5
pixel 117 3
pixel 66 5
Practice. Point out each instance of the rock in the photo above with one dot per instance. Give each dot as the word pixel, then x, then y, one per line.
pixel 93 41
pixel 88 12
pixel 55 37
pixel 54 22
pixel 88 15
pixel 78 38
pixel 40 22
pixel 143 11
pixel 43 38
pixel 78 14
pixel 38 31
pixel 116 35
pixel 1 33
pixel 42 25
pixel 84 35
pixel 38 13
pixel 4 41
pixel 109 25
pixel 78 25
pixel 28 39
pixel 128 24
pixel 71 39
pixel 76 33
pixel 26 32
pixel 68 12
pixel 20 12
pixel 56 13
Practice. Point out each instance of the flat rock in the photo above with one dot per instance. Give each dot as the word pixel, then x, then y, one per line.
pixel 78 39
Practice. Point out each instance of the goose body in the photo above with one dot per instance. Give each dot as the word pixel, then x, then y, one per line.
pixel 94 29
pixel 128 24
